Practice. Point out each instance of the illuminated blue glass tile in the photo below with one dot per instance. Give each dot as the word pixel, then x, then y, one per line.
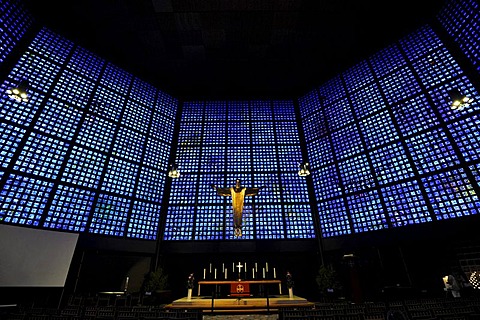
pixel 271 190
pixel 162 127
pixel 193 111
pixel 15 22
pixel 107 103
pixel 475 168
pixel 451 194
pixel 151 185
pixel 309 103
pixel 315 125
pixel 187 158
pixel 206 193
pixel 179 223
pixel 399 85
pixel 23 200
pixel 339 114
pixel 466 134
pixel 239 159
pixel 356 174
pixel 294 188
pixel 51 45
pixel 262 133
pixel 320 152
pixel 432 151
pixel 269 222
pixel 326 183
pixel 166 105
pixel 110 216
pixel 137 116
pixel 86 63
pixel 129 144
pixel 405 204
pixel 70 209
pixel 143 92
pixel 238 110
pixel 346 142
pixel 358 76
pixel 414 115
pixel 96 133
pixel 333 218
pixel 367 213
pixel 214 133
pixel 261 110
pixel 215 110
pixel 10 138
pixel 264 158
pixel 84 167
pixel 209 223
pixel 289 158
pixel 420 42
pixel 367 100
pixel 184 190
pixel 283 110
pixel 59 119
pixel 120 177
pixel 156 154
pixel 238 132
pixel 378 130
pixel 116 79
pixel 390 163
pixel 299 222
pixel 42 156
pixel 331 90
pixel 73 89
pixel 387 60
pixel 144 221
pixel 213 159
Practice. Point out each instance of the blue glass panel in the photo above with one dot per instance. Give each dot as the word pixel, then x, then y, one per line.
pixel 184 189
pixel 51 45
pixel 332 90
pixel 269 222
pixel 144 221
pixel 107 103
pixel 238 110
pixel 23 200
pixel 151 185
pixel 298 222
pixel 110 216
pixel 73 89
pixel 166 105
pixel 289 158
pixel 333 218
pixel 294 188
pixel 42 156
pixel 356 174
pixel 70 209
pixel 209 223
pixel 405 204
pixel 309 103
pixel 193 111
pixel 206 193
pixel 414 115
pixel 261 110
pixel 238 159
pixel 420 42
pixel 367 100
pixel 283 110
pixel 213 159
pixel 96 133
pixel 116 79
pixel 86 63
pixel 346 142
pixel 320 152
pixel 367 212
pixel 179 224
pixel 156 154
pixel 238 132
pixel 59 119
pixel 432 151
pixel 14 22
pixel 84 167
pixel 10 137
pixel 338 114
pixel 143 92
pixel 120 177
pixel 466 134
pixel 129 145
pixel 391 164
pixel 215 110
pixel 399 85
pixel 214 133
pixel 358 76
pixel 378 130
pixel 451 194
pixel 326 183
pixel 387 60
pixel 162 127
pixel 264 159
pixel 315 125
pixel 270 191
pixel 137 116
pixel 262 132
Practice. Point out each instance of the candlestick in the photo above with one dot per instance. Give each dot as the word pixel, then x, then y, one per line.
pixel 266 266
pixel 253 273
pixel 215 273
pixel 225 274
pixel 210 268
pixel 223 267
pixel 204 274
pixel 233 266
pixel 245 267
pixel 274 273
pixel 256 269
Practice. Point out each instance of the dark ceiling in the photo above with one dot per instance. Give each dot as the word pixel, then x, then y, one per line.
pixel 229 49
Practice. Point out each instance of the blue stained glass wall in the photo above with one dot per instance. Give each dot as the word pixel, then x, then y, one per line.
pixel 385 146
pixel 254 141
pixel 89 151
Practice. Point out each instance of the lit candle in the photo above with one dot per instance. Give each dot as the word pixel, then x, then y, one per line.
pixel 210 268
pixel 233 266
pixel 263 273
pixel 204 274
pixel 245 267
pixel 253 273
pixel 274 273
pixel 256 269
pixel 223 267
pixel 225 274
pixel 215 273
pixel 266 266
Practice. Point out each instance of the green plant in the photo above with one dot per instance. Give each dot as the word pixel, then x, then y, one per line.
pixel 155 280
pixel 327 280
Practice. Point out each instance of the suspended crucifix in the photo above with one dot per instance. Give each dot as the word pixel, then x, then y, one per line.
pixel 238 194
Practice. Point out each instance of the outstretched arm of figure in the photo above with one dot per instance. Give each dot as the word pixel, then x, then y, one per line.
pixel 222 191
pixel 252 191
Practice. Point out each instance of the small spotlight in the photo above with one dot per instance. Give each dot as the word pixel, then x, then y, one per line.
pixel 173 173
pixel 19 93
pixel 303 172
pixel 459 100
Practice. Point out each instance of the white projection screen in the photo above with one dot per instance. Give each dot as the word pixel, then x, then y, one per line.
pixel 34 258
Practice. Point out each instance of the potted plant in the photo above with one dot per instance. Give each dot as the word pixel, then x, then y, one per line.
pixel 327 281
pixel 156 282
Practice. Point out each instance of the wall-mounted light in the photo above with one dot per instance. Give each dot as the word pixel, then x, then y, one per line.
pixel 19 92
pixel 459 100
pixel 303 172
pixel 173 172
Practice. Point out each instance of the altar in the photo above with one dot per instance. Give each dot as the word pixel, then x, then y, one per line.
pixel 239 287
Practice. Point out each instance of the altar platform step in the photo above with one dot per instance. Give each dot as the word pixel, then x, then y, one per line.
pixel 242 305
